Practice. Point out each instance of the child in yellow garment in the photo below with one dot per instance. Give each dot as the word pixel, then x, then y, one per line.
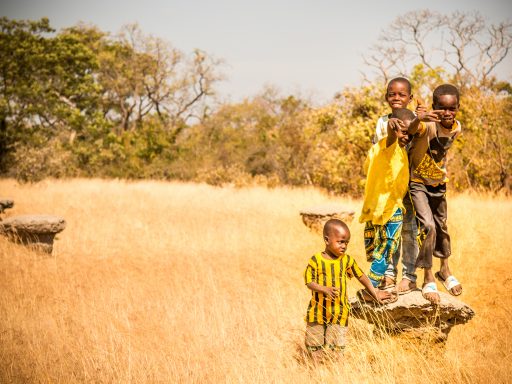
pixel 326 276
pixel 387 170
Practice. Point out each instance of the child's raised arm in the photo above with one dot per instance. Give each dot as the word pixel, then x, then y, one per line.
pixel 394 125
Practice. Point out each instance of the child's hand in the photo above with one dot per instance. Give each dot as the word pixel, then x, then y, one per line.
pixel 421 111
pixel 331 292
pixel 396 124
pixel 379 302
pixel 432 116
pixel 420 105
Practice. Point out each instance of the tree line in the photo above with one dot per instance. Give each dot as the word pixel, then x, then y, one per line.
pixel 83 102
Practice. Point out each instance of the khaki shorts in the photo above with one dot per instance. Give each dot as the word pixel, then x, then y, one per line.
pixel 332 336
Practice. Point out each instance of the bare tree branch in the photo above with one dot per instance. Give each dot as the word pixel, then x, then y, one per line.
pixel 460 43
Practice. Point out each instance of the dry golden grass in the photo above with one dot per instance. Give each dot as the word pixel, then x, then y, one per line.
pixel 171 282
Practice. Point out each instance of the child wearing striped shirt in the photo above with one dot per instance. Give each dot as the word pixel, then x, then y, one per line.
pixel 326 276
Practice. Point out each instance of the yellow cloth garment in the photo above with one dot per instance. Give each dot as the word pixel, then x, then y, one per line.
pixel 387 179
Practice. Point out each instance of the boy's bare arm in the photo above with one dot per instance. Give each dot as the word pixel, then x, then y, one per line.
pixel 393 125
pixel 330 292
pixel 365 281
pixel 413 127
pixel 423 115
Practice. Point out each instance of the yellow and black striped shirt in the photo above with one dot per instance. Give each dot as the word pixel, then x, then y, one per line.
pixel 330 273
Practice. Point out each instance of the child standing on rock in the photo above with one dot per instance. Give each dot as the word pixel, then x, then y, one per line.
pixel 399 95
pixel 387 180
pixel 427 154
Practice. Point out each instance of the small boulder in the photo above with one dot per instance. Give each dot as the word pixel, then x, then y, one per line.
pixel 37 231
pixel 413 315
pixel 315 217
pixel 6 204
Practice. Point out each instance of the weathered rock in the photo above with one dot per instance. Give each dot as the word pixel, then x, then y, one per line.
pixel 6 204
pixel 37 231
pixel 414 316
pixel 315 217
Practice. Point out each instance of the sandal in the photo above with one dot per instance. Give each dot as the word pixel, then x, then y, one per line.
pixel 409 288
pixel 430 288
pixel 387 282
pixel 449 283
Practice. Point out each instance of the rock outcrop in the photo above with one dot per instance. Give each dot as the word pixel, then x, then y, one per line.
pixel 36 231
pixel 414 316
pixel 315 217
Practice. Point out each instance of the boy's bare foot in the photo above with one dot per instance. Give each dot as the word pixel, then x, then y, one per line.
pixel 430 293
pixel 387 282
pixel 405 286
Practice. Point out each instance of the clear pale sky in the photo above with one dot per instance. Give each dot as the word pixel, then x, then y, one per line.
pixel 310 47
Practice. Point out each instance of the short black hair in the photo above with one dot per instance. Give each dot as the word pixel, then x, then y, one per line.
pixel 331 223
pixel 400 80
pixel 403 114
pixel 445 89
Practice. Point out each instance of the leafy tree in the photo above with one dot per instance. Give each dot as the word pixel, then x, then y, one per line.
pixel 273 139
pixel 484 156
pixel 47 85
pixel 143 75
pixel 85 93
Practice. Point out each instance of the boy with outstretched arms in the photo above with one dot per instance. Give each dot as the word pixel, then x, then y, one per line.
pixel 427 156
pixel 326 276
pixel 387 170
pixel 399 95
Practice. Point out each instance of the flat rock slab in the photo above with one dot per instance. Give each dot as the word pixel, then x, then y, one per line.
pixel 413 315
pixel 37 231
pixel 315 217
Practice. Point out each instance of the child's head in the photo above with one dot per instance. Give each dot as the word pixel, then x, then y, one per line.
pixel 406 116
pixel 336 237
pixel 398 93
pixel 446 100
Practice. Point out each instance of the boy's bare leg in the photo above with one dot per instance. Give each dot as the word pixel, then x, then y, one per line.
pixel 315 334
pixel 433 297
pixel 444 271
pixel 335 338
pixel 406 285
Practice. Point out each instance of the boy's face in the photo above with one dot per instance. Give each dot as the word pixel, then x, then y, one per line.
pixel 336 242
pixel 448 106
pixel 402 136
pixel 398 94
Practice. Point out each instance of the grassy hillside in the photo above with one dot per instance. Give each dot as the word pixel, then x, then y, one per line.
pixel 173 282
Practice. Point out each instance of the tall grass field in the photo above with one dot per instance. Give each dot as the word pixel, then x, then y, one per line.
pixel 160 282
